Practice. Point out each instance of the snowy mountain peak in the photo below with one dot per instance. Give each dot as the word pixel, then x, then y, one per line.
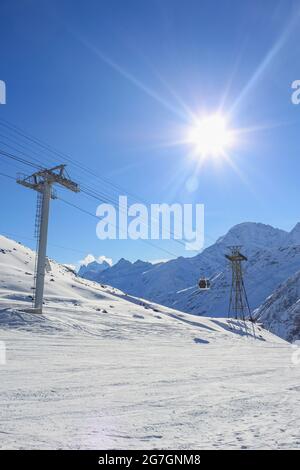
pixel 296 228
pixel 91 270
pixel 142 265
pixel 140 262
pixel 123 263
pixel 294 235
pixel 254 234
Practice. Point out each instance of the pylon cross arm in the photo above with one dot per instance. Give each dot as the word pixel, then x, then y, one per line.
pixel 55 175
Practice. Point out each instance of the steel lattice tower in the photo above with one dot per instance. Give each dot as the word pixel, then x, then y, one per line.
pixel 238 303
pixel 42 182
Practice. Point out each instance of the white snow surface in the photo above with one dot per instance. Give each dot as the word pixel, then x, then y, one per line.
pixel 100 369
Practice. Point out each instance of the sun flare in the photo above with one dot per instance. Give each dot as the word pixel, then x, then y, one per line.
pixel 210 136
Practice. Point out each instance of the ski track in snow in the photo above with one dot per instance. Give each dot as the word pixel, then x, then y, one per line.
pixel 104 370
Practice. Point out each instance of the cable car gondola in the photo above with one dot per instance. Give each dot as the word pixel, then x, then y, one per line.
pixel 204 284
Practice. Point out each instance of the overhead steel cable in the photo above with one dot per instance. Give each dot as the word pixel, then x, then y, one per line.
pixel 25 237
pixel 75 206
pixel 19 159
pixel 27 150
pixel 92 192
pixel 7 176
pixel 100 196
pixel 66 157
pixel 81 209
pixel 72 161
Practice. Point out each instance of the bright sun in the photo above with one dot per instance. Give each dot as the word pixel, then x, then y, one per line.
pixel 210 136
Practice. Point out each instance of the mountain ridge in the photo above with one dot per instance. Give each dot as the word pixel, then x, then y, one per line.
pixel 273 256
pixel 280 313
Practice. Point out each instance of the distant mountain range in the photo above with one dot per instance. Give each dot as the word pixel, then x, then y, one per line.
pixel 91 270
pixel 273 257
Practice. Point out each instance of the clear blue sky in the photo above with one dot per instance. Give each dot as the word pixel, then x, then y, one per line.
pixel 109 82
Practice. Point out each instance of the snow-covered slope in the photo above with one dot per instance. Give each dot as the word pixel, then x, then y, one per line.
pixel 100 369
pixel 273 255
pixel 66 292
pixel 66 296
pixel 280 313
